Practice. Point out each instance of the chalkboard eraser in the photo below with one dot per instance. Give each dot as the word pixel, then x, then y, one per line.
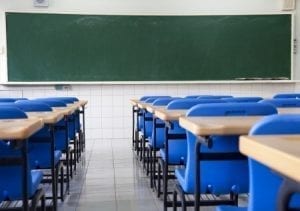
pixel 63 87
pixel 249 79
pixel 280 78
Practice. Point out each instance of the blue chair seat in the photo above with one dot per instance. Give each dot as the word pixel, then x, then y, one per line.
pixel 231 208
pixel 180 175
pixel 37 177
pixel 211 182
pixel 12 190
pixel 177 152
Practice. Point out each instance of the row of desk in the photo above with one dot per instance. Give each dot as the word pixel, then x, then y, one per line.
pixel 280 153
pixel 19 130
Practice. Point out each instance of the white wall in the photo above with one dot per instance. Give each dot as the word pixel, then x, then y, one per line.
pixel 109 112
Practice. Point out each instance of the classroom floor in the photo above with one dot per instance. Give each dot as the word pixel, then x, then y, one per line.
pixel 110 179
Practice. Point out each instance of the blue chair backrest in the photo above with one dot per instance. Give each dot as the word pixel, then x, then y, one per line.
pixel 20 98
pixel 164 101
pixel 10 176
pixel 31 106
pixel 7 99
pixel 11 112
pixel 287 95
pixel 51 103
pixel 62 99
pixel 232 109
pixel 190 102
pixel 264 182
pixel 74 123
pixel 144 98
pixel 220 177
pixel 184 103
pixel 149 124
pixel 187 104
pixel 73 99
pixel 243 99
pixel 283 102
pixel 197 96
pixel 7 104
pixel 61 138
pixel 214 96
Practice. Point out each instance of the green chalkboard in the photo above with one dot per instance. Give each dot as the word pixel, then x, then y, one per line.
pixel 63 47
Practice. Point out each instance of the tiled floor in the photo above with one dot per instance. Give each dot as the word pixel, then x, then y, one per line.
pixel 110 179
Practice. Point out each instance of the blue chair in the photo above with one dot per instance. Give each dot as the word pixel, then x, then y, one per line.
pixel 151 150
pixel 283 102
pixel 243 99
pixel 264 182
pixel 219 176
pixel 146 128
pixel 140 122
pixel 42 147
pixel 62 140
pixel 287 95
pixel 171 142
pixel 73 125
pixel 11 172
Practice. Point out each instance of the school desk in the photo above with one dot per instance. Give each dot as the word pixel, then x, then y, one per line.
pixel 80 108
pixel 225 125
pixel 50 118
pixel 282 154
pixel 203 127
pixel 18 131
pixel 167 116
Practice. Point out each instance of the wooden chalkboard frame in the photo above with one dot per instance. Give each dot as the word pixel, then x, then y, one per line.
pixel 15 73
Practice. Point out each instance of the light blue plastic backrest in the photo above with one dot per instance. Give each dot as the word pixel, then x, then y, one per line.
pixel 243 99
pixel 221 177
pixel 287 95
pixel 264 182
pixel 283 102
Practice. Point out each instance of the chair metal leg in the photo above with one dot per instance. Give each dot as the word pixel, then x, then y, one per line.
pixel 159 180
pixel 174 200
pixel 39 195
pixel 179 190
pixel 150 162
pixel 147 161
pixel 165 184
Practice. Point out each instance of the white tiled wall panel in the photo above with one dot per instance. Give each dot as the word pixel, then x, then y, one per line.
pixel 108 114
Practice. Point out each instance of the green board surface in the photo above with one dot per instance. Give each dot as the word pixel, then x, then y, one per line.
pixel 61 47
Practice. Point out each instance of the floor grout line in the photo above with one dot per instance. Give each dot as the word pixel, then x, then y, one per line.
pixel 113 164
